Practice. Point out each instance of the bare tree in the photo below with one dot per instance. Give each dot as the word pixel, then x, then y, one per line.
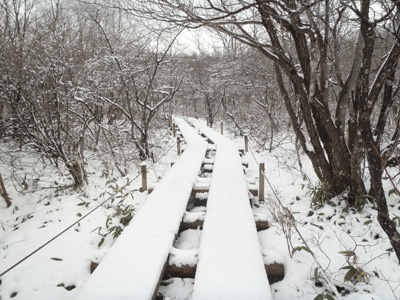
pixel 208 81
pixel 343 104
pixel 38 83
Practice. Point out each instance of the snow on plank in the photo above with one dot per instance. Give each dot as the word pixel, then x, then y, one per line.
pixel 230 264
pixel 132 268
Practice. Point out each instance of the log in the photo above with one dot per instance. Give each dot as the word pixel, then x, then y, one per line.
pixel 191 225
pixel 199 190
pixel 275 269
pixel 200 202
pixel 275 272
pixel 207 168
pixel 184 271
pixel 262 225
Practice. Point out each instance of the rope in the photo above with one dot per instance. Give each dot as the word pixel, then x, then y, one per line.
pixel 80 219
pixel 292 223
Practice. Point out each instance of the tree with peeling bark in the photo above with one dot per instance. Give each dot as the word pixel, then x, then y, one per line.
pixel 344 94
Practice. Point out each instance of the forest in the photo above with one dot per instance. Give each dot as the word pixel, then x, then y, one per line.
pixel 85 83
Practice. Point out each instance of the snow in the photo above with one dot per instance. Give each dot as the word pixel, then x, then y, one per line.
pixel 48 209
pixel 230 260
pixel 273 257
pixel 188 239
pixel 181 257
pixel 208 167
pixel 137 258
pixel 202 185
pixel 190 217
pixel 42 208
pixel 327 230
pixel 177 288
pixel 208 161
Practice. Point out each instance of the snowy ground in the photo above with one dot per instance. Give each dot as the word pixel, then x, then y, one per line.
pixel 340 237
pixel 42 208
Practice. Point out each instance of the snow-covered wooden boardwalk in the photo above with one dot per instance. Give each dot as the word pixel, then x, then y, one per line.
pixel 230 259
pixel 132 268
pixel 230 263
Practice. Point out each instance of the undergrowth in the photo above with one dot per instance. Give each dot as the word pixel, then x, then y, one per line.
pixel 121 214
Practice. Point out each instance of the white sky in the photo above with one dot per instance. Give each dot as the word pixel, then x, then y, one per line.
pixel 197 41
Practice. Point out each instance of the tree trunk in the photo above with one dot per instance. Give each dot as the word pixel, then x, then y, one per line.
pixel 375 170
pixel 77 171
pixel 364 101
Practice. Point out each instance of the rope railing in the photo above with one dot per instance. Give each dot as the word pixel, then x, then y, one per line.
pixel 293 224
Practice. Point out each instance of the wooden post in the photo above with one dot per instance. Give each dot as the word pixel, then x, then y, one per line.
pixel 178 145
pixel 261 183
pixel 170 121
pixel 4 192
pixel 246 143
pixel 222 127
pixel 144 177
pixel 174 129
pixel 208 122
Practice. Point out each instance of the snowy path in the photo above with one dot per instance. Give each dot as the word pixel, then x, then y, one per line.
pixel 133 267
pixel 230 259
